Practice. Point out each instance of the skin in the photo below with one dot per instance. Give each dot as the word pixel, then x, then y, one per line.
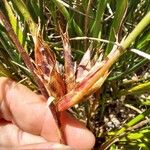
pixel 27 122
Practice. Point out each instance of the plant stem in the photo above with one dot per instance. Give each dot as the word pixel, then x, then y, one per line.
pixel 23 53
pixel 137 31
pixel 133 121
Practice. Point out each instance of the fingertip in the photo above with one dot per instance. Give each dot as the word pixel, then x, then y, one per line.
pixel 77 135
pixel 80 139
pixel 89 140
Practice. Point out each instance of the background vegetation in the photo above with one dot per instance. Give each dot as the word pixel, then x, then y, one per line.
pixel 116 112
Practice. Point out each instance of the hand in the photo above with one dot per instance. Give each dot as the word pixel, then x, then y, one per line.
pixel 27 122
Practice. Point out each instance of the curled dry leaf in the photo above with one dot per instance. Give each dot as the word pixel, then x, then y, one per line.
pixel 84 66
pixel 65 91
pixel 68 63
pixel 46 69
pixel 90 84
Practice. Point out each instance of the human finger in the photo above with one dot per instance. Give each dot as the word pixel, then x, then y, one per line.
pixel 12 137
pixel 29 111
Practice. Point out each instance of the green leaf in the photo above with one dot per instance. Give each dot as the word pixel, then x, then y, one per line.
pixel 77 28
pixel 145 102
pixel 138 89
pixel 62 9
pixel 70 20
pixel 27 16
pixel 97 25
pixel 121 8
pixel 135 136
pixel 14 21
